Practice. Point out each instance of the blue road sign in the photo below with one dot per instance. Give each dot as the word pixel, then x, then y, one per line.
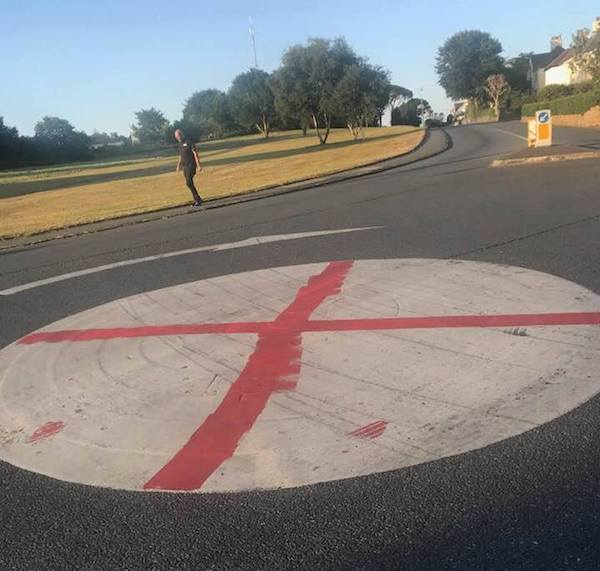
pixel 544 117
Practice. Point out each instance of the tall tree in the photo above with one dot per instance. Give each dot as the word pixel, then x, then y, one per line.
pixel 9 141
pixel 516 72
pixel 399 95
pixel 361 95
pixel 306 81
pixel 410 112
pixel 56 139
pixel 208 112
pixel 151 126
pixel 252 100
pixel 58 132
pixel 465 61
pixel 587 54
pixel 497 88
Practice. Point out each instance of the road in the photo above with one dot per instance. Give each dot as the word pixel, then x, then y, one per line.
pixel 530 501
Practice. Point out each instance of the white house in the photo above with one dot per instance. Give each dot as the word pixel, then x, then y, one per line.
pixel 539 62
pixel 560 71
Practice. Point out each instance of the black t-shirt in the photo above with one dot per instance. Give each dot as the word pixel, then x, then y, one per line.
pixel 186 152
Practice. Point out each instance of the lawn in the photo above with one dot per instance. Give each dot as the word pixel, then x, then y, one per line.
pixel 45 199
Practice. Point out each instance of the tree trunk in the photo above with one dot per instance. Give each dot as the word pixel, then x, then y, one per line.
pixel 322 136
pixel 264 129
pixel 317 129
pixel 328 129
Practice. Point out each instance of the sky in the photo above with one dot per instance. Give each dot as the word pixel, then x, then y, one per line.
pixel 96 63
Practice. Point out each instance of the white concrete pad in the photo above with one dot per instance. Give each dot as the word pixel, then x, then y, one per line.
pixel 118 411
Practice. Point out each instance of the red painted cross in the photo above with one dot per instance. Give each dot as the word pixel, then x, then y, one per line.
pixel 275 365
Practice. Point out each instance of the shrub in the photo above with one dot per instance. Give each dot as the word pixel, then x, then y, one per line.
pixel 555 91
pixel 476 113
pixel 586 86
pixel 573 105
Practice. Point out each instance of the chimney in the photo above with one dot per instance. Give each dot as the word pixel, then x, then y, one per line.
pixel 596 26
pixel 555 42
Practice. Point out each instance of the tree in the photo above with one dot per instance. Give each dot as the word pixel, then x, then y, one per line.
pixel 399 95
pixel 252 100
pixel 9 142
pixel 208 112
pixel 465 61
pixel 58 132
pixel 151 126
pixel 587 54
pixel 57 140
pixel 410 112
pixel 306 81
pixel 361 95
pixel 516 72
pixel 497 89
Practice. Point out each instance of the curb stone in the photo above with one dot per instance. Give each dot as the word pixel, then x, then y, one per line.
pixel 546 159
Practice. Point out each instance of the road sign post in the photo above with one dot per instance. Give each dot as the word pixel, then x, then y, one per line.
pixel 543 120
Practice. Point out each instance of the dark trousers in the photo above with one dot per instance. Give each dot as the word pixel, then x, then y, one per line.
pixel 189 174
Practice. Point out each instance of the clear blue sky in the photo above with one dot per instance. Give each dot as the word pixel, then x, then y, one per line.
pixel 97 62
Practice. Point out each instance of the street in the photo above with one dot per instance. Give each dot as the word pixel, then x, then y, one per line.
pixel 509 497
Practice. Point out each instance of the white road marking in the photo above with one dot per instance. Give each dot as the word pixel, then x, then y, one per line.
pixel 257 241
pixel 510 133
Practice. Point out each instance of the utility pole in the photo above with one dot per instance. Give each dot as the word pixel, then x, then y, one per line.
pixel 253 41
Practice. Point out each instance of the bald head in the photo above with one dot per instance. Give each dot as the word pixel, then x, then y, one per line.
pixel 179 135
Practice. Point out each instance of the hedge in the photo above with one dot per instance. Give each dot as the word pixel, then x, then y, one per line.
pixel 573 105
pixel 558 91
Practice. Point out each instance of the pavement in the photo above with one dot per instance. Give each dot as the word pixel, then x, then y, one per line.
pixel 569 145
pixel 397 371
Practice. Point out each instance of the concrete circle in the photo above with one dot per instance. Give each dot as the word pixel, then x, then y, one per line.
pixel 286 398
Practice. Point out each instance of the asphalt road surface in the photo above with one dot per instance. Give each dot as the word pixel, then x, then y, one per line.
pixel 530 500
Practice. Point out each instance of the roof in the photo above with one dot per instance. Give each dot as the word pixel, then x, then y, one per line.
pixel 592 44
pixel 564 57
pixel 539 61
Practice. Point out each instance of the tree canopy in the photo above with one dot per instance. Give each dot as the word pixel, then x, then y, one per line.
pixel 409 113
pixel 306 82
pixel 151 126
pixel 208 112
pixel 361 95
pixel 465 61
pixel 587 55
pixel 399 95
pixel 252 100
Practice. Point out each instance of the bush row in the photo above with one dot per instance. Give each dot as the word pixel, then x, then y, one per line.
pixel 573 105
pixel 556 91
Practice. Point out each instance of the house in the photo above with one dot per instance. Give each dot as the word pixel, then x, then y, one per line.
pixel 459 110
pixel 560 71
pixel 539 62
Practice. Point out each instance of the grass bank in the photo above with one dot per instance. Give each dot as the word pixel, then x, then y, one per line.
pixel 47 199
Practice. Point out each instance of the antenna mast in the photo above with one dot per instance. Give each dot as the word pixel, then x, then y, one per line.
pixel 253 40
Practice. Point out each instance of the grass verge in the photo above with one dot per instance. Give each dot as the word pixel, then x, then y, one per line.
pixel 41 200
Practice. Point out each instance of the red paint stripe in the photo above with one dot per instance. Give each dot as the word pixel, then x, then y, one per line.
pixel 455 321
pixel 371 431
pixel 367 429
pixel 145 331
pixel 46 431
pixel 274 366
pixel 378 324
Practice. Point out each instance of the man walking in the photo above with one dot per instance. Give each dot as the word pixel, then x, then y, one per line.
pixel 190 162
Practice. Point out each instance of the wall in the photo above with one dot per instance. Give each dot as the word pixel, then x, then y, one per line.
pixel 560 75
pixel 589 119
pixel 539 80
